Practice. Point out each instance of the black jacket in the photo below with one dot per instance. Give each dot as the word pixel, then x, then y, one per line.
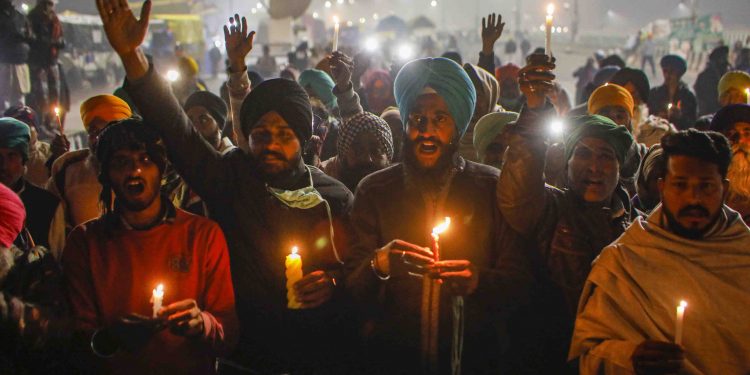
pixel 14 36
pixel 658 101
pixel 389 205
pixel 41 206
pixel 260 232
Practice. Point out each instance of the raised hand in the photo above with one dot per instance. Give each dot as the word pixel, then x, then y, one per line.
pixel 124 31
pixel 238 42
pixel 535 79
pixel 341 69
pixel 492 29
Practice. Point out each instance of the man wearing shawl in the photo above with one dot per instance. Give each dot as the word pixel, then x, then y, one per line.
pixel 394 212
pixel 692 248
pixel 569 226
pixel 267 201
pixel 74 175
pixel 673 100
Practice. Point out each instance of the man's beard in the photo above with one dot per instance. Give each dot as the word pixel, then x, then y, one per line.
pixel 437 171
pixel 739 174
pixel 678 229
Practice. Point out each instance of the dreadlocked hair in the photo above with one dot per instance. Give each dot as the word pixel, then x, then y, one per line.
pixel 128 134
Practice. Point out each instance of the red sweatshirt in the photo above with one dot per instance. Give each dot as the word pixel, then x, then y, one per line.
pixel 111 271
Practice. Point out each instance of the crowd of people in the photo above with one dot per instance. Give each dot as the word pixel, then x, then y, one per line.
pixel 291 225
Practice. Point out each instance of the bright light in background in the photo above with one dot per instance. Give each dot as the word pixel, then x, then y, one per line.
pixel 218 43
pixel 349 23
pixel 556 127
pixel 340 1
pixel 371 44
pixel 566 29
pixel 405 52
pixel 259 6
pixel 362 20
pixel 25 7
pixel 327 4
pixel 173 75
pixel 315 15
pixel 375 16
pixel 433 3
pixel 253 11
pixel 351 2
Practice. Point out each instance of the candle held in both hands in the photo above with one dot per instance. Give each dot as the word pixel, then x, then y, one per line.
pixel 157 297
pixel 293 274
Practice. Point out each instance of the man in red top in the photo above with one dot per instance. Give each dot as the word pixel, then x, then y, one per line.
pixel 113 263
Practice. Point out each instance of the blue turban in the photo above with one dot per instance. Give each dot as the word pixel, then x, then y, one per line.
pixel 447 78
pixel 321 84
pixel 15 135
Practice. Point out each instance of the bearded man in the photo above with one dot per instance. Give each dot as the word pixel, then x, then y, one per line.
pixel 734 122
pixel 394 211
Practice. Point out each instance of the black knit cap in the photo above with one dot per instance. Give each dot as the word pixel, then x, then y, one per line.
pixel 212 103
pixel 635 76
pixel 284 96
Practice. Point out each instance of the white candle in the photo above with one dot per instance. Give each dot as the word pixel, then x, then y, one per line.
pixel 747 96
pixel 548 29
pixel 335 34
pixel 293 274
pixel 157 296
pixel 678 322
pixel 59 122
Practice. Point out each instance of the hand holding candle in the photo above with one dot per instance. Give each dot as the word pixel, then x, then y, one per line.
pixel 157 297
pixel 293 274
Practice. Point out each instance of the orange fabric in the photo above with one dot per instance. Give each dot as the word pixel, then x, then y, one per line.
pixel 106 107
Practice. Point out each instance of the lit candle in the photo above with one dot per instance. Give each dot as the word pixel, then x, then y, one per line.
pixel 678 322
pixel 747 96
pixel 548 29
pixel 157 296
pixel 293 274
pixel 335 34
pixel 436 232
pixel 59 121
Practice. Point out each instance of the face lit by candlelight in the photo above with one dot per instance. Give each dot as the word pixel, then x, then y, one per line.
pixel 431 134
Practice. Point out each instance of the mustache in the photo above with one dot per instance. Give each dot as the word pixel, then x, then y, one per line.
pixel 434 140
pixel 693 210
pixel 275 154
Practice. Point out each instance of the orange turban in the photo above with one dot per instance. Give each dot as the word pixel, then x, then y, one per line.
pixel 106 107
pixel 611 95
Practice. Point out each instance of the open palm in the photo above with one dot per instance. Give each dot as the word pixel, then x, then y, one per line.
pixel 124 31
pixel 238 42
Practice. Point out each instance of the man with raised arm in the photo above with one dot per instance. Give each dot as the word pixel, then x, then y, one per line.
pixel 267 201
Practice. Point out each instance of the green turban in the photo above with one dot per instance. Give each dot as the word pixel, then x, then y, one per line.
pixel 602 128
pixel 321 84
pixel 16 135
pixel 488 127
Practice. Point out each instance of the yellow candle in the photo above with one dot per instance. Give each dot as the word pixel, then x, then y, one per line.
pixel 335 34
pixel 548 29
pixel 747 96
pixel 678 322
pixel 157 296
pixel 293 274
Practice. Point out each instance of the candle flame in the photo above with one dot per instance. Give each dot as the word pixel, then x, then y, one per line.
pixel 669 106
pixel 747 91
pixel 295 249
pixel 57 111
pixel 335 19
pixel 550 9
pixel 159 291
pixel 683 304
pixel 442 227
